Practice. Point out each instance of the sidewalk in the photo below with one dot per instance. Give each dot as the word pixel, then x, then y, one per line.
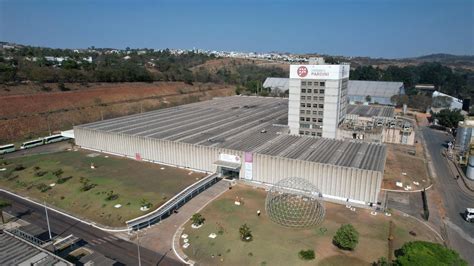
pixel 464 183
pixel 159 237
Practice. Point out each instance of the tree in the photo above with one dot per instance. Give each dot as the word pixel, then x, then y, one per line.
pixel 3 204
pixel 382 261
pixel 306 254
pixel 399 100
pixel 368 98
pixel 197 219
pixel 346 237
pixel 245 233
pixel 449 118
pixel 426 254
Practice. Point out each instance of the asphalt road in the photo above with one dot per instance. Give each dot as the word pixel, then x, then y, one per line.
pixel 118 249
pixel 48 148
pixel 456 201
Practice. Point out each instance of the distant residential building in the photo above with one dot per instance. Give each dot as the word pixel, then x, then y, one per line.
pixel 379 92
pixel 55 59
pixel 88 59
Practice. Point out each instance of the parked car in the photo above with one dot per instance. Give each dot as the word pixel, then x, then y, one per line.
pixel 469 215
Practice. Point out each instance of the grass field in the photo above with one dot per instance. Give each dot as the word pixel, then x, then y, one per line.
pixel 273 244
pixel 123 181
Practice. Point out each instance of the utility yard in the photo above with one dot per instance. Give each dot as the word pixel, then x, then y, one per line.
pixel 110 194
pixel 273 244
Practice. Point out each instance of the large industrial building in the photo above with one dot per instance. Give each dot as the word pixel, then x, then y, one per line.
pixel 246 138
pixel 317 99
pixel 380 92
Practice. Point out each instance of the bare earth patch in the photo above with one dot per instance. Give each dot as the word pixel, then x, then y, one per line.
pixel 403 167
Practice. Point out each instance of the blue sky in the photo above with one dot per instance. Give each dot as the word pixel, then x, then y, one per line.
pixel 376 28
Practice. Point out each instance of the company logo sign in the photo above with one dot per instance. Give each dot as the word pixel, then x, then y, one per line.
pixel 229 158
pixel 302 71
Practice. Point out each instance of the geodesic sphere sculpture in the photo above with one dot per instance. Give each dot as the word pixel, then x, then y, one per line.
pixel 295 202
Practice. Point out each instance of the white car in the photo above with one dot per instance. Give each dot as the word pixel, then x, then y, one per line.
pixel 469 214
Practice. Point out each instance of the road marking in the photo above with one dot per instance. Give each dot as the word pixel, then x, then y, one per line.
pixel 110 238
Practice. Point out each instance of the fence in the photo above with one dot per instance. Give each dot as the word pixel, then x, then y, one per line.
pixel 173 204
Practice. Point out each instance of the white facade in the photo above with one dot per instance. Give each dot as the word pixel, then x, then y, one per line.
pixel 335 182
pixel 317 99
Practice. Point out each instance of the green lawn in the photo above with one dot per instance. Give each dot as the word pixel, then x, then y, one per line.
pixel 276 245
pixel 131 180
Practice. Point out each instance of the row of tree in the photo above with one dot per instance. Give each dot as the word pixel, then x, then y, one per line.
pixel 30 64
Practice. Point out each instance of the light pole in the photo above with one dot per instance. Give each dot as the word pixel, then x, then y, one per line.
pixel 138 248
pixel 47 220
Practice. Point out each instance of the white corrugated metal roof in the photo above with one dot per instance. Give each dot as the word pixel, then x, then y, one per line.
pixel 277 83
pixel 375 88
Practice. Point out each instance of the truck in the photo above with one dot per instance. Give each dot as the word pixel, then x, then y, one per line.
pixel 469 215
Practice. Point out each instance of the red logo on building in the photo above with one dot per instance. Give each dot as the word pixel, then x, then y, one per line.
pixel 302 71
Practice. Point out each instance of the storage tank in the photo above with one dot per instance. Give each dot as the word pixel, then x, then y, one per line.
pixel 470 168
pixel 463 136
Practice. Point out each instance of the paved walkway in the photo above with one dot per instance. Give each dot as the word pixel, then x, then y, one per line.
pixel 159 237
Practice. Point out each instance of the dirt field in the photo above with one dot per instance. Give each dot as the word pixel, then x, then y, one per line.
pixel 34 113
pixel 400 166
pixel 273 244
pixel 131 180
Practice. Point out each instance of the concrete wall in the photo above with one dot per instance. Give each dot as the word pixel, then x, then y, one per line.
pixel 394 135
pixel 335 182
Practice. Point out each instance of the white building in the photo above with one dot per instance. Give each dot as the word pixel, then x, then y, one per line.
pixel 318 99
pixel 442 101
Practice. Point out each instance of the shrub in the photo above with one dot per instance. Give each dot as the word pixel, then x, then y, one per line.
pixel 145 203
pixel 58 172
pixel 346 237
pixel 63 87
pixel 245 233
pixel 197 219
pixel 382 261
pixel 86 185
pixel 41 173
pixel 426 253
pixel 307 254
pixel 19 167
pixel 43 187
pixel 62 180
pixel 111 196
pixel 10 178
